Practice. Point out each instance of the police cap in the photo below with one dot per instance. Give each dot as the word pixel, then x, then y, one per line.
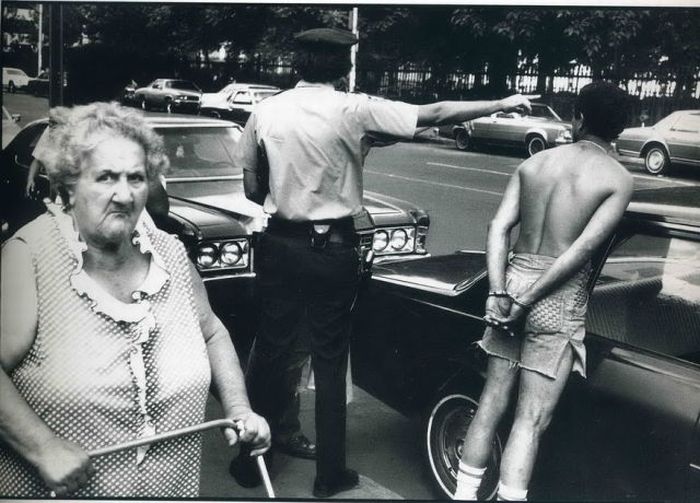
pixel 333 37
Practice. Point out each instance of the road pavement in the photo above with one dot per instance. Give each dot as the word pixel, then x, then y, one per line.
pixel 462 190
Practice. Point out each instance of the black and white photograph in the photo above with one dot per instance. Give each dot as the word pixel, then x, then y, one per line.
pixel 359 251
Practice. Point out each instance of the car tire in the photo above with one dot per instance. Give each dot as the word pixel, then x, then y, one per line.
pixel 446 424
pixel 656 160
pixel 11 87
pixel 144 105
pixel 169 107
pixel 535 144
pixel 462 140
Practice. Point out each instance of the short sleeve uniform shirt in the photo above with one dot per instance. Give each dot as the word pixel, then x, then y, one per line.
pixel 316 139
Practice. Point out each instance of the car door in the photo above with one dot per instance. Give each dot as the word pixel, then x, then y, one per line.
pixel 154 94
pixel 684 138
pixel 629 431
pixel 506 128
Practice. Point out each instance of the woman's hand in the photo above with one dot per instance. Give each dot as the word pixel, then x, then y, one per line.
pixel 30 187
pixel 252 428
pixel 64 466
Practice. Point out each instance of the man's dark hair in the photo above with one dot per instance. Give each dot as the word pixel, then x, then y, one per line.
pixel 604 108
pixel 321 62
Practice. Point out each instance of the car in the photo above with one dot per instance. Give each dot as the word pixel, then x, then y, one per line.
pixel 10 126
pixel 630 431
pixel 675 139
pixel 39 85
pixel 170 95
pixel 534 132
pixel 211 215
pixel 235 101
pixel 14 78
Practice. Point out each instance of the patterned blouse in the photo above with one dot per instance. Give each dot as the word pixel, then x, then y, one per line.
pixel 102 372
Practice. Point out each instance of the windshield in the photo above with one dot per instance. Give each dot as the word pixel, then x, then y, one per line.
pixel 197 152
pixel 182 84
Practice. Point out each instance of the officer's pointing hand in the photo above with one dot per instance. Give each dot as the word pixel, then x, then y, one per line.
pixel 516 103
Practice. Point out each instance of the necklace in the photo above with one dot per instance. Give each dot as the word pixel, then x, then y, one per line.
pixel 597 145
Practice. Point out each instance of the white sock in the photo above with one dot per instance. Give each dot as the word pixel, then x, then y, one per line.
pixel 468 482
pixel 506 493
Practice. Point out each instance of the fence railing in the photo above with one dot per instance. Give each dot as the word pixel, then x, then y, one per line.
pixel 656 98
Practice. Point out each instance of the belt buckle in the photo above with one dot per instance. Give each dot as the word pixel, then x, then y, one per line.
pixel 319 235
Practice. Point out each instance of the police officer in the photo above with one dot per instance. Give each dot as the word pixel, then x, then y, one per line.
pixel 302 153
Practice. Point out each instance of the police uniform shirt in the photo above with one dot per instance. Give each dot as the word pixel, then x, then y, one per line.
pixel 316 139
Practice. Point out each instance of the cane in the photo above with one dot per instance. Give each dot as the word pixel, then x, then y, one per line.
pixel 218 423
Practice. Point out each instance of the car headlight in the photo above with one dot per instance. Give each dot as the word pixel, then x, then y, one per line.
pixel 381 241
pixel 207 256
pixel 229 254
pixel 565 135
pixel 397 240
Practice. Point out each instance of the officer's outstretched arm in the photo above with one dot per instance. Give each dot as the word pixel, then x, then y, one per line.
pixel 453 112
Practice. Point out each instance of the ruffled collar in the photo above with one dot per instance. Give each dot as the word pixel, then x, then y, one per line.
pixel 101 300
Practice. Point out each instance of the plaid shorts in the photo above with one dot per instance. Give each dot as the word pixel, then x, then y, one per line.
pixel 552 324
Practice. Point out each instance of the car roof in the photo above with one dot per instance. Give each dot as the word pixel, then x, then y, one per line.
pixel 667 204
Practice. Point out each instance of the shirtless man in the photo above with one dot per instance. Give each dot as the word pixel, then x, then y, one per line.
pixel 567 201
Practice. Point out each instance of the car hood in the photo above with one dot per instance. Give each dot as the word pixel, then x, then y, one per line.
pixel 446 274
pixel 213 99
pixel 203 222
pixel 229 196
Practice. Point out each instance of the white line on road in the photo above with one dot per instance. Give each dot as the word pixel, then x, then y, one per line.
pixel 467 169
pixel 427 182
pixel 659 179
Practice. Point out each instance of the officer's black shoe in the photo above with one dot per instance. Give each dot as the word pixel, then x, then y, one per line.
pixel 298 446
pixel 244 469
pixel 347 480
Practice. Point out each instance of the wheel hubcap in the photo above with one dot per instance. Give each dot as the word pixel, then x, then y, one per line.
pixel 656 160
pixel 536 145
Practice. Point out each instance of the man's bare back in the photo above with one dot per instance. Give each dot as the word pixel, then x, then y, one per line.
pixel 560 191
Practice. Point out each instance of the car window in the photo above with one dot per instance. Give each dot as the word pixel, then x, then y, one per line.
pixel 667 122
pixel 261 95
pixel 688 124
pixel 242 98
pixel 648 295
pixel 544 112
pixel 504 115
pixel 201 151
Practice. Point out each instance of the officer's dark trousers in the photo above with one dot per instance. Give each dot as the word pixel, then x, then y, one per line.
pixel 294 279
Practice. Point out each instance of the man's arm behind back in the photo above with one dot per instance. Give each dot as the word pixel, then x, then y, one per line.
pixel 616 186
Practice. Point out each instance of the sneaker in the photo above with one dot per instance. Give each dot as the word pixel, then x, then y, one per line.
pixel 348 479
pixel 298 446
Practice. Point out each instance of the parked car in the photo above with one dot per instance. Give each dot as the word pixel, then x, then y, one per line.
pixel 534 132
pixel 236 101
pixel 210 213
pixel 171 95
pixel 10 126
pixel 39 85
pixel 675 139
pixel 630 431
pixel 13 79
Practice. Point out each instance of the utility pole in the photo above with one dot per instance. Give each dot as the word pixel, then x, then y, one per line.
pixel 40 43
pixel 352 26
pixel 56 74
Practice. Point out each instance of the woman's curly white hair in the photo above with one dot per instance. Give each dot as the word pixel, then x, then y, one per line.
pixel 74 132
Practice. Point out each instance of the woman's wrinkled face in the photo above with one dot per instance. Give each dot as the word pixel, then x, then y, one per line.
pixel 111 191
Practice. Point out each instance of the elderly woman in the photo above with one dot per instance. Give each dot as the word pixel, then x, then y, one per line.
pixel 107 334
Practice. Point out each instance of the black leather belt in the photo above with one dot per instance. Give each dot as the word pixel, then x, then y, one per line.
pixel 320 232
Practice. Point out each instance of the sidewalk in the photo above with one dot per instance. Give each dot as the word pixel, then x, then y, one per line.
pixel 293 477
